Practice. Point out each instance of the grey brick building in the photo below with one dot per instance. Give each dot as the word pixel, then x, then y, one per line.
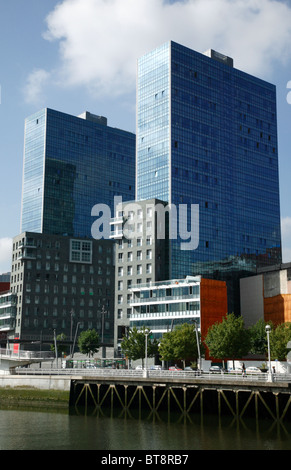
pixel 61 282
pixel 141 249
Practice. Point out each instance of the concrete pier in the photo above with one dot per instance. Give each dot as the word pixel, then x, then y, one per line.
pixel 188 394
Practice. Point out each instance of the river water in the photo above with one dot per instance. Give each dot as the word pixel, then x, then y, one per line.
pixel 53 429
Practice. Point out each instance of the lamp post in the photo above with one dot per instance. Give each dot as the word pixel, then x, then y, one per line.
pixel 268 329
pixel 56 348
pixel 71 332
pixel 146 353
pixel 103 313
pixel 198 346
pixel 77 326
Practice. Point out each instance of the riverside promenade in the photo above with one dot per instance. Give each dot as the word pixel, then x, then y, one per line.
pixel 153 391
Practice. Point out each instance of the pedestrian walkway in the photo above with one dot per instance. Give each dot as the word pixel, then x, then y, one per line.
pixel 10 358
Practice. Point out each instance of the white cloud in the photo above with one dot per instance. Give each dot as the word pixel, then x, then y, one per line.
pixel 5 254
pixel 100 40
pixel 286 239
pixel 35 84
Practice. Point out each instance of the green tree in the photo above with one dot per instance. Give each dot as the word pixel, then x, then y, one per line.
pixel 279 337
pixel 88 342
pixel 258 337
pixel 179 344
pixel 133 346
pixel 61 348
pixel 228 339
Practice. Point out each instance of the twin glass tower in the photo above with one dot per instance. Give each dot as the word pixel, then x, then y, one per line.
pixel 207 135
pixel 70 164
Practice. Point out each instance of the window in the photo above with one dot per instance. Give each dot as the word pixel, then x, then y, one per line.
pixel 81 251
pixel 129 270
pixel 149 227
pixel 120 271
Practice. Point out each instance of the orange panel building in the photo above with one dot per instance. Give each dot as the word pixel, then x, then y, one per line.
pixel 278 309
pixel 160 306
pixel 213 305
pixel 267 296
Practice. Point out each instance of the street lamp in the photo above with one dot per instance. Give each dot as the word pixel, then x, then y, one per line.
pixel 146 353
pixel 71 332
pixel 77 326
pixel 198 346
pixel 103 313
pixel 56 348
pixel 268 329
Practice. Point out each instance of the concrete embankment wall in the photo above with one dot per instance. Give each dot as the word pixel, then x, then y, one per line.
pixel 61 383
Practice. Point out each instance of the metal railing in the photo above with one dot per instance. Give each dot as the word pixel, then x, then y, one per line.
pixel 11 354
pixel 108 372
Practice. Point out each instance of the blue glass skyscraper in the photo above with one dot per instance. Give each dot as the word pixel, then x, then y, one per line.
pixel 207 135
pixel 71 164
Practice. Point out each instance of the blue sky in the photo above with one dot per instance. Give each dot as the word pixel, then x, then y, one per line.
pixel 77 55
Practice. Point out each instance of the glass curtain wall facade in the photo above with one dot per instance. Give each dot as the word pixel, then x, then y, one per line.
pixel 162 305
pixel 71 164
pixel 207 135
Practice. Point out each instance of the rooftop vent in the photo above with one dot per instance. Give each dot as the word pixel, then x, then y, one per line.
pixel 219 57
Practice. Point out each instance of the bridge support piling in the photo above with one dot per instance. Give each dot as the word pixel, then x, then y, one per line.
pixel 185 399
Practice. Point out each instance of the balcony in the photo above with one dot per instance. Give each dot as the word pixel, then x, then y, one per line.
pixel 7 321
pixel 117 220
pixel 165 299
pixel 27 253
pixel 27 243
pixel 116 234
